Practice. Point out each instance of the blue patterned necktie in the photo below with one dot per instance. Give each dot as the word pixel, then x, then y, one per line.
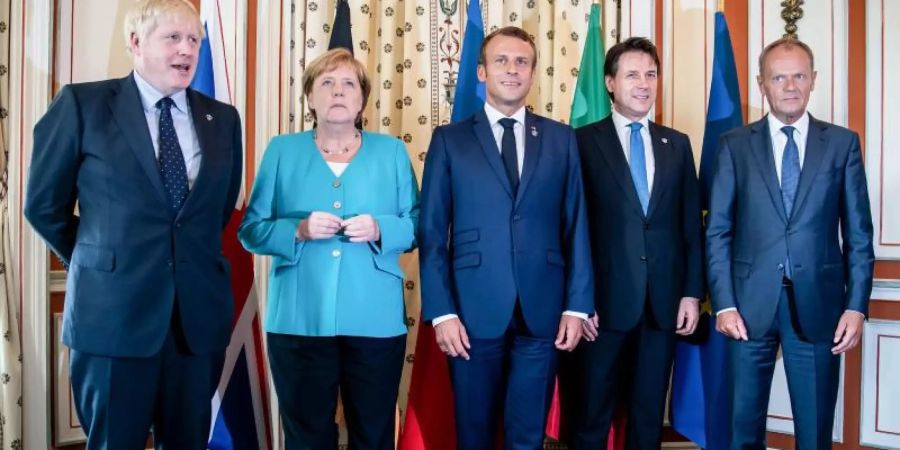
pixel 638 164
pixel 790 178
pixel 508 152
pixel 171 161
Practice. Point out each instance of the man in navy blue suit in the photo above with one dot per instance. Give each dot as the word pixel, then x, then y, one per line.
pixel 155 169
pixel 644 213
pixel 504 251
pixel 790 259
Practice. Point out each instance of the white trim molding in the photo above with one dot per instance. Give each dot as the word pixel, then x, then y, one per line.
pixel 879 410
pixel 31 57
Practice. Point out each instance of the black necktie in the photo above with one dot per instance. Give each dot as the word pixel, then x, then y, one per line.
pixel 171 161
pixel 508 152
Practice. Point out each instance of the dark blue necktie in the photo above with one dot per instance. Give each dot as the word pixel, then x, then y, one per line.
pixel 638 164
pixel 790 178
pixel 171 161
pixel 508 152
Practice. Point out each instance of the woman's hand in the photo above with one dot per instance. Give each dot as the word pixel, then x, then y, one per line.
pixel 319 225
pixel 361 228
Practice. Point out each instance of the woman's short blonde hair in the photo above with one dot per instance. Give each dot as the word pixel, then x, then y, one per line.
pixel 329 61
pixel 145 15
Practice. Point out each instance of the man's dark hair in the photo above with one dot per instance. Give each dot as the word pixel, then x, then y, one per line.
pixel 509 31
pixel 632 44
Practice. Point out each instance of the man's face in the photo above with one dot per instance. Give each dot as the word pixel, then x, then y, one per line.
pixel 507 72
pixel 167 57
pixel 634 85
pixel 787 80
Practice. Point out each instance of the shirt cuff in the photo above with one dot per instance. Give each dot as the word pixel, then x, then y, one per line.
pixel 579 315
pixel 857 312
pixel 444 318
pixel 726 310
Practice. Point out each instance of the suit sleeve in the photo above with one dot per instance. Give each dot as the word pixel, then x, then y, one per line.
pixel 579 269
pixel 237 170
pixel 856 231
pixel 52 188
pixel 720 229
pixel 691 228
pixel 434 229
pixel 398 231
pixel 262 231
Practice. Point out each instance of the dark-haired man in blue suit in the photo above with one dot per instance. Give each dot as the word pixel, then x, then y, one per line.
pixel 789 243
pixel 155 169
pixel 504 251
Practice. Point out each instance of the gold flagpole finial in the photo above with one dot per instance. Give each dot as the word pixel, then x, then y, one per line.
pixel 721 6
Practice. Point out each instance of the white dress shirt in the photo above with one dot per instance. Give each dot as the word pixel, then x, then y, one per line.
pixel 624 132
pixel 181 119
pixel 494 117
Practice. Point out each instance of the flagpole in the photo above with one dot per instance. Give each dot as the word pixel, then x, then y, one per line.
pixel 721 6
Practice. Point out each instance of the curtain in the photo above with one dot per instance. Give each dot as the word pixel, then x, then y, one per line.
pixel 10 350
pixel 412 50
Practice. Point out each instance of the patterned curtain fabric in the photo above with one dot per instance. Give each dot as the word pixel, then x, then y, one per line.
pixel 412 50
pixel 10 350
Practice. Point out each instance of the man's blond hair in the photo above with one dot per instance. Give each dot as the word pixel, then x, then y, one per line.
pixel 145 15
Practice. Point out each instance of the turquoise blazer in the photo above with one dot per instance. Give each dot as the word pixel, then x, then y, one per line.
pixel 333 287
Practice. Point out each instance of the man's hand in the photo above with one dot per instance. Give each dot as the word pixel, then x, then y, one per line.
pixel 591 327
pixel 361 228
pixel 569 332
pixel 848 332
pixel 688 316
pixel 452 338
pixel 319 225
pixel 731 324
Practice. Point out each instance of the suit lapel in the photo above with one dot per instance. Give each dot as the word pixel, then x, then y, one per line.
pixel 761 147
pixel 662 151
pixel 608 145
pixel 129 116
pixel 482 129
pixel 816 146
pixel 532 131
pixel 204 126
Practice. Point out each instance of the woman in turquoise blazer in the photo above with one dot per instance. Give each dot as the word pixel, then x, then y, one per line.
pixel 335 208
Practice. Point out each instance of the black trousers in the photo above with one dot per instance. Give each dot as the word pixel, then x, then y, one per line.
pixel 308 371
pixel 627 369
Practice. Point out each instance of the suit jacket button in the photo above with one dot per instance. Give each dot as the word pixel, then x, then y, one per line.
pixel 177 224
pixel 335 253
pixel 643 259
pixel 517 217
pixel 780 266
pixel 336 184
pixel 337 205
pixel 170 263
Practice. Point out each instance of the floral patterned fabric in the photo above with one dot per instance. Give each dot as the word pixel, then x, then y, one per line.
pixel 10 350
pixel 412 50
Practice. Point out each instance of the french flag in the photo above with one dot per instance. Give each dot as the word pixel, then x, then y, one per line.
pixel 239 409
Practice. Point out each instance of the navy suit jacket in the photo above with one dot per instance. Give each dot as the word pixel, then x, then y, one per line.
pixel 637 257
pixel 828 234
pixel 129 256
pixel 481 246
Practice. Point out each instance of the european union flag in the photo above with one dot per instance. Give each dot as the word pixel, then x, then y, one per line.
pixel 701 406
pixel 469 97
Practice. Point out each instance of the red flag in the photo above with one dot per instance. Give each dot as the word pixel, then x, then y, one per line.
pixel 429 421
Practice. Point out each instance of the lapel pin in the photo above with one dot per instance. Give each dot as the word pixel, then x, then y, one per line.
pixel 665 141
pixel 534 131
pixel 209 117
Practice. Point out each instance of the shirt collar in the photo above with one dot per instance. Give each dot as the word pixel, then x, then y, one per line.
pixel 801 125
pixel 621 121
pixel 149 95
pixel 494 116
